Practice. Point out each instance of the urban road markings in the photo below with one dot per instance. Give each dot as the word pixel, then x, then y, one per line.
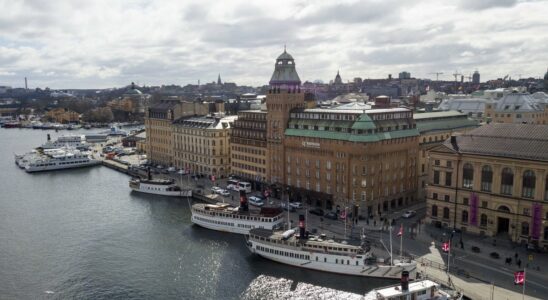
pixel 507 273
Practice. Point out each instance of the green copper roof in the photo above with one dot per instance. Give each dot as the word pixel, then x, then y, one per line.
pixel 334 135
pixel 445 124
pixel 364 122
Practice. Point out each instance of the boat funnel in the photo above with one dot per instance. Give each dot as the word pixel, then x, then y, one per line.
pixel 243 201
pixel 302 227
pixel 404 281
pixel 49 137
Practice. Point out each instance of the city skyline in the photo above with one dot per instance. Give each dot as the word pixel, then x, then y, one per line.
pixel 67 45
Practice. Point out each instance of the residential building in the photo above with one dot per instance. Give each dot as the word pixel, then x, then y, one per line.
pixel 62 115
pixel 248 148
pixel 492 181
pixel 517 108
pixel 476 77
pixel 202 144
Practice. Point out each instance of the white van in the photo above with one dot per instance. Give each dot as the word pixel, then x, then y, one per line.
pixel 244 186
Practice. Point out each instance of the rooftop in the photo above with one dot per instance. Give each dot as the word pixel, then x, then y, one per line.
pixel 517 102
pixel 520 141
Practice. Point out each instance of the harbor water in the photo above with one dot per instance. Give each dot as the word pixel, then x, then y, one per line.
pixel 81 234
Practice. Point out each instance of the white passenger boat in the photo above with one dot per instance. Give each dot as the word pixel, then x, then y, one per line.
pixel 416 290
pixel 162 187
pixel 224 217
pixel 318 253
pixel 56 159
pixel 71 141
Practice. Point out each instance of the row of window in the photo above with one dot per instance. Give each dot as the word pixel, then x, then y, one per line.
pixel 464 218
pixel 283 253
pixel 238 216
pixel 248 167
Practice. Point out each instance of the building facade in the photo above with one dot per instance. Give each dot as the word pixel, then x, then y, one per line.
pixel 158 121
pixel 434 128
pixel 202 144
pixel 248 147
pixel 492 181
pixel 518 108
pixel 340 158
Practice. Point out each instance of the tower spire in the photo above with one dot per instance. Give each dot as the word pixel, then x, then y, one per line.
pixel 219 79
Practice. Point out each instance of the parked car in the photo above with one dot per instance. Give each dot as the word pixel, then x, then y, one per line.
pixel 476 249
pixel 494 255
pixel 331 215
pixel 409 214
pixel 287 207
pixel 296 204
pixel 316 211
pixel 182 172
pixel 171 169
pixel 216 190
pixel 224 192
pixel 256 201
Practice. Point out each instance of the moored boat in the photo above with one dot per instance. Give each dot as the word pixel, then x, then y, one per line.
pixel 319 253
pixel 162 187
pixel 224 217
pixel 57 159
pixel 416 290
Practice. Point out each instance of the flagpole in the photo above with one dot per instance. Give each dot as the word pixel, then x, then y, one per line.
pixel 523 290
pixel 401 244
pixel 345 217
pixel 448 257
pixel 391 260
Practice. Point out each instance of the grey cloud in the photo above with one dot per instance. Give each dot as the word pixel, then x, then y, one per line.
pixel 408 36
pixel 486 4
pixel 357 12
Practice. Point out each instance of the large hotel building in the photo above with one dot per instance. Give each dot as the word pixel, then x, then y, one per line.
pixel 492 181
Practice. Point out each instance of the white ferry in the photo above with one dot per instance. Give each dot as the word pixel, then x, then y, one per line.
pixel 416 290
pixel 224 217
pixel 158 187
pixel 72 141
pixel 318 253
pixel 57 159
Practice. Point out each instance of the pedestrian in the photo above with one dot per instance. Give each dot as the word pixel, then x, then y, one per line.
pixel 516 255
pixel 519 263
pixel 374 223
pixel 461 244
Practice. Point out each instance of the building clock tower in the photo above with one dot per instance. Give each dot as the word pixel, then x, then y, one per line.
pixel 284 95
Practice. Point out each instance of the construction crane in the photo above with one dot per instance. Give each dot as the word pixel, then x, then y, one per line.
pixel 437 75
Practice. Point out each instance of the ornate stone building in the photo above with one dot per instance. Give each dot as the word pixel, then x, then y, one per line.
pixel 202 144
pixel 248 147
pixel 492 181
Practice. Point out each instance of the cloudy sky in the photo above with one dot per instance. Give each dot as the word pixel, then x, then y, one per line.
pixel 102 43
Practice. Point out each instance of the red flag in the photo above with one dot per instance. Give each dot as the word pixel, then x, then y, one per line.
pixel 212 177
pixel 445 247
pixel 519 277
pixel 400 233
pixel 343 214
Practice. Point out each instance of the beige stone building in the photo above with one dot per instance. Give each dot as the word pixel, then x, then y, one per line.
pixel 340 158
pixel 158 125
pixel 248 147
pixel 62 115
pixel 202 144
pixel 434 128
pixel 492 181
pixel 519 108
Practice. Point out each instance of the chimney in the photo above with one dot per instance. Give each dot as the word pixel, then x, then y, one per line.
pixel 404 281
pixel 302 228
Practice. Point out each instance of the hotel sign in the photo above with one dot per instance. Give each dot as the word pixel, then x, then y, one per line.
pixel 311 145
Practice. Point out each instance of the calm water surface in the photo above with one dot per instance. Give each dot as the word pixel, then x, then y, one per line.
pixel 83 234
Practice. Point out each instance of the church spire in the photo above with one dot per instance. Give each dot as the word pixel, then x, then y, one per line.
pixel 219 79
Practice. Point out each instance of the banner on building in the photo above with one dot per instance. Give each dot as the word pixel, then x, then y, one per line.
pixel 536 220
pixel 474 209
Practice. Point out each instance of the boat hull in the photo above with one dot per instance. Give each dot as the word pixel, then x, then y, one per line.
pixel 34 169
pixel 341 265
pixel 164 193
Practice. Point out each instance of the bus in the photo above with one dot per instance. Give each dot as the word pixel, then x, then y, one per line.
pixel 244 186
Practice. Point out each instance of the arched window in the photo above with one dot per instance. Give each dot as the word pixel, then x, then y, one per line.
pixel 524 228
pixel 483 220
pixel 506 181
pixel 446 212
pixel 467 176
pixel 528 185
pixel 434 210
pixel 464 218
pixel 486 178
pixel 546 190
